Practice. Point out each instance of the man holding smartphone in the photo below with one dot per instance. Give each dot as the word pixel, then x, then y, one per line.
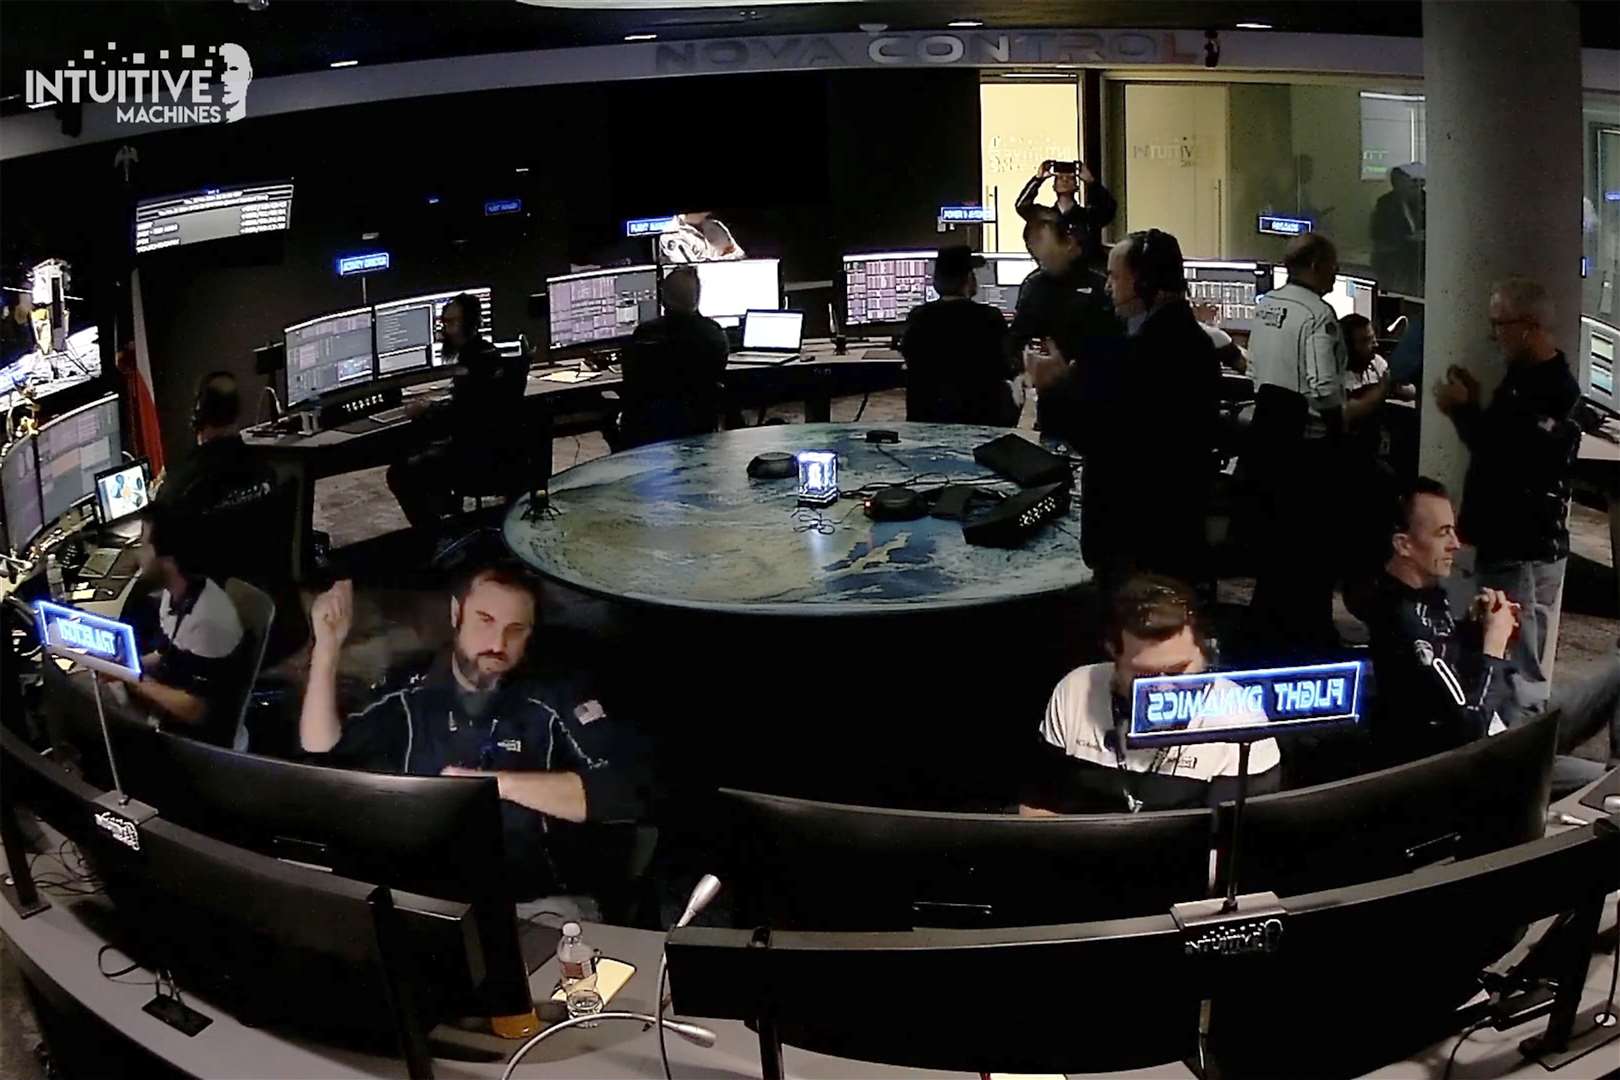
pixel 1067 176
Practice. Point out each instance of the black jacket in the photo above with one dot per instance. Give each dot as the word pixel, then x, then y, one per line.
pixel 217 475
pixel 1144 418
pixel 484 417
pixel 1435 687
pixel 672 373
pixel 1072 307
pixel 1523 447
pixel 955 373
pixel 1098 211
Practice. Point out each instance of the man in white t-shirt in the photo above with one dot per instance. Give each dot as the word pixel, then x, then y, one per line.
pixel 192 676
pixel 1152 629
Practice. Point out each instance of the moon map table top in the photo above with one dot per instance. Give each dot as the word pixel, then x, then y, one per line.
pixel 681 524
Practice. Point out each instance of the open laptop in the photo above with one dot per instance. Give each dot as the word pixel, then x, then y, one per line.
pixel 770 337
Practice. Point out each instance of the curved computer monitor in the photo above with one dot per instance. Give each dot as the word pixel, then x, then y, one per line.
pixel 408 329
pixel 19 491
pixel 731 288
pixel 331 352
pixel 599 308
pixel 1488 795
pixel 73 449
pixel 881 287
pixel 826 866
pixel 1231 287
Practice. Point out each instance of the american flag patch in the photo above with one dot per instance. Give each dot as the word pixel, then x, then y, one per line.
pixel 589 712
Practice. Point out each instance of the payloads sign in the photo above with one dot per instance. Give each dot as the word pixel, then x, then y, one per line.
pixel 192 84
pixel 971 49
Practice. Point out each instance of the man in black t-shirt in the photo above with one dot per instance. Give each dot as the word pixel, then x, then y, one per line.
pixel 672 369
pixel 221 473
pixel 954 349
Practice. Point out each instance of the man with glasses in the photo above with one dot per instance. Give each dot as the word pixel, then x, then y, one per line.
pixel 1522 455
pixel 556 755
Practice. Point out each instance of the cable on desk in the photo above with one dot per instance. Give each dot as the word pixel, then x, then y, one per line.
pixel 860 412
pixel 1452 1060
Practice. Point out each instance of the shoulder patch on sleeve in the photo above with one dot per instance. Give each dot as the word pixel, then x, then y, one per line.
pixel 589 712
pixel 1425 652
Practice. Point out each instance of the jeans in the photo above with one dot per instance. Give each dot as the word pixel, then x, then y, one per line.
pixel 1534 586
pixel 1584 709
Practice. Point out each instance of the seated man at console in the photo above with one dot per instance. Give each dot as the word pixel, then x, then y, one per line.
pixel 1442 682
pixel 552 749
pixel 672 369
pixel 1151 630
pixel 486 392
pixel 221 472
pixel 192 677
pixel 954 350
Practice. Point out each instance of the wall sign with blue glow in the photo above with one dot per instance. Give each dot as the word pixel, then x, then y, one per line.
pixel 1271 225
pixel 364 263
pixel 965 215
pixel 1240 706
pixel 105 645
pixel 647 226
pixel 502 206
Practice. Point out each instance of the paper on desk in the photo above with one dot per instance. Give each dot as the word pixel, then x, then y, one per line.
pixel 571 375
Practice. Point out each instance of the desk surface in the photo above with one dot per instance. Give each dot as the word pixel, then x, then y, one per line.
pixel 681 524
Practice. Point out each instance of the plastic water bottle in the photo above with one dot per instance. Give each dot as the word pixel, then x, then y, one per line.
pixel 577 962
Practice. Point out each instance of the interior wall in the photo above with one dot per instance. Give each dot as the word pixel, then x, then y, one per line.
pixel 1260 168
pixel 1327 139
pixel 1176 150
pixel 799 165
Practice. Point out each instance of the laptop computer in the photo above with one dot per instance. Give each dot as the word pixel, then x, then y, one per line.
pixel 770 337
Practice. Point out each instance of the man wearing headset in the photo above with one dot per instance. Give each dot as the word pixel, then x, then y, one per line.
pixel 1144 419
pixel 1151 629
pixel 221 472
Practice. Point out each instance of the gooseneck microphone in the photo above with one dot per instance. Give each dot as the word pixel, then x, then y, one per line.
pixel 707 888
pixel 692 1033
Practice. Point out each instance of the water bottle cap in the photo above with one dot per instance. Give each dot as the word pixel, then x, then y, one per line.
pixel 571 929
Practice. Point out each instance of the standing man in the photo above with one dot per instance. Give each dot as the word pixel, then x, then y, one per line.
pixel 480 711
pixel 1067 176
pixel 672 369
pixel 1522 457
pixel 1143 419
pixel 486 397
pixel 1398 229
pixel 1063 300
pixel 954 349
pixel 1298 360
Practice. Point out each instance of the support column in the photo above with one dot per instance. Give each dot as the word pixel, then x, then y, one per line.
pixel 1503 88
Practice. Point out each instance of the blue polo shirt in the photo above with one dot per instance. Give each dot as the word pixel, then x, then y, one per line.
pixel 525 723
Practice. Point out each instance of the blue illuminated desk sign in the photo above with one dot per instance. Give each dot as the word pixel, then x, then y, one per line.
pixel 502 206
pixel 1242 706
pixel 1271 225
pixel 965 215
pixel 365 263
pixel 647 226
pixel 102 644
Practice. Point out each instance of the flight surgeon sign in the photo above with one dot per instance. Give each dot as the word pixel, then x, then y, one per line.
pixel 1239 706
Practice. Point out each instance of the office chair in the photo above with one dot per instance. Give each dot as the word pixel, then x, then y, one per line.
pixel 258 615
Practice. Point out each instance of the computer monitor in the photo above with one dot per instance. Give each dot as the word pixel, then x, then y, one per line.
pixel 405 336
pixel 1000 279
pixel 122 491
pixel 1352 295
pixel 827 866
pixel 329 353
pixel 775 331
pixel 19 487
pixel 213 214
pixel 1482 797
pixel 1600 339
pixel 734 287
pixel 883 287
pixel 1232 287
pixel 438 836
pixel 599 307
pixel 435 301
pixel 75 448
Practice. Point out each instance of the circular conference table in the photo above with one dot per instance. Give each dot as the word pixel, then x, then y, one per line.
pixel 680 524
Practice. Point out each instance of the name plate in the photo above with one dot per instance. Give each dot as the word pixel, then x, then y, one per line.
pixel 99 643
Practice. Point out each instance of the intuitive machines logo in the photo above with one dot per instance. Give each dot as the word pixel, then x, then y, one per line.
pixel 189 85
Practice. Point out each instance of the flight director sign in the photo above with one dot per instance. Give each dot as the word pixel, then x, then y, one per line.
pixel 349 265
pixel 1240 706
pixel 102 644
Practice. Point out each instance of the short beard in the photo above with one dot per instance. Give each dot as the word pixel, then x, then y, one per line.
pixel 467 668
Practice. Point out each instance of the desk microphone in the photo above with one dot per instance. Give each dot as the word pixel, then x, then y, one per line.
pixel 705 892
pixel 692 1033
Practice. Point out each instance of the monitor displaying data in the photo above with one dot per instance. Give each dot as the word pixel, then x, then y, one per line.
pixel 1232 287
pixel 19 487
pixel 1352 295
pixel 734 287
pixel 405 336
pixel 1000 279
pixel 436 302
pixel 327 353
pixel 73 448
pixel 600 305
pixel 122 492
pixel 883 287
pixel 1600 339
pixel 214 214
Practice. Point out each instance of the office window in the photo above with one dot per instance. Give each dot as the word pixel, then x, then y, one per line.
pixel 1021 125
pixel 1393 132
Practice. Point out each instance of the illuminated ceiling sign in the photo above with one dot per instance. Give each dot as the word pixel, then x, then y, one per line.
pixel 348 265
pixel 1271 225
pixel 1240 706
pixel 647 226
pixel 965 215
pixel 502 206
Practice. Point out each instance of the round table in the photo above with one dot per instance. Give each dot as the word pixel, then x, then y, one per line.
pixel 681 524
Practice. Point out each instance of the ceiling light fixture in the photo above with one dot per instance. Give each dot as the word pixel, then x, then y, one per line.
pixel 1254 26
pixel 343 63
pixel 521 168
pixel 965 24
pixel 641 37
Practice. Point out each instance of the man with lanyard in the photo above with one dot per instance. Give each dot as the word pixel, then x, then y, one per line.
pixel 1084 765
pixel 556 755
